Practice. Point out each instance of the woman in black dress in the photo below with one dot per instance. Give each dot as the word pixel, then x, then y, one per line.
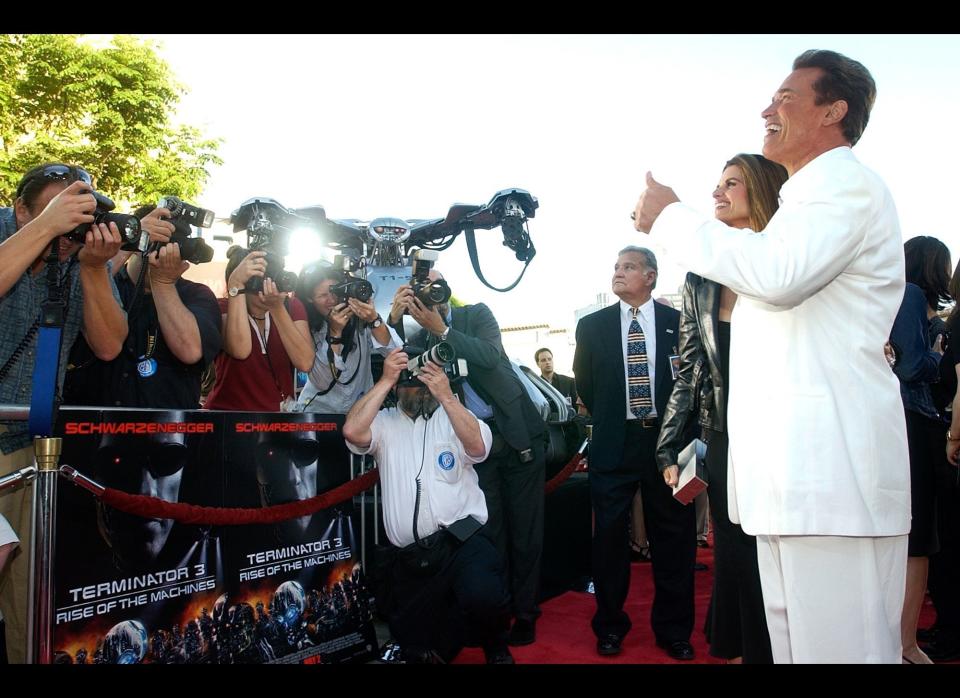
pixel 736 628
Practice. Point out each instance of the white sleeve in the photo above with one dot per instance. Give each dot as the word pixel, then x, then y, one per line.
pixel 804 247
pixel 376 430
pixel 7 534
pixel 385 349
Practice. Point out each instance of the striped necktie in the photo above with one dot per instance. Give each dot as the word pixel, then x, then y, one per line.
pixel 638 370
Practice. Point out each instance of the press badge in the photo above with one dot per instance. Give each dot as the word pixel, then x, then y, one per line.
pixel 674 365
pixel 146 367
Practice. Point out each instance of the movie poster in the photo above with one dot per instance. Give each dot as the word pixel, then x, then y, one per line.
pixel 135 590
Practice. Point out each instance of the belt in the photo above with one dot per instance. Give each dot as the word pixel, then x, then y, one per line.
pixel 646 423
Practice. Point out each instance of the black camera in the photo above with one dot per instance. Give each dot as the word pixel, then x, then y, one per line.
pixel 129 226
pixel 350 286
pixel 193 249
pixel 285 280
pixel 353 287
pixel 268 225
pixel 181 210
pixel 442 354
pixel 428 292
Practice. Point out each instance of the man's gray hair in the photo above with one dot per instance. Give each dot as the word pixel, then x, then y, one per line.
pixel 649 258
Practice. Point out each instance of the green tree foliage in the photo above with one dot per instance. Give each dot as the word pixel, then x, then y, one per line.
pixel 108 110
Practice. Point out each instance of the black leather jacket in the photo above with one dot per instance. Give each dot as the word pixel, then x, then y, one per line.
pixel 699 387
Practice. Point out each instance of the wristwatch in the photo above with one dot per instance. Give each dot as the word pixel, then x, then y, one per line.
pixel 443 335
pixel 233 291
pixel 377 323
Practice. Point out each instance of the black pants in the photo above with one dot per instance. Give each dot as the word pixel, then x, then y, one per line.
pixel 440 598
pixel 944 579
pixel 514 494
pixel 736 623
pixel 671 530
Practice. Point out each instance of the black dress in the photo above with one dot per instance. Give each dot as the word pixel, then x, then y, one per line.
pixel 736 625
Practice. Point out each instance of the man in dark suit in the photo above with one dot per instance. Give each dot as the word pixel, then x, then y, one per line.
pixel 624 376
pixel 565 384
pixel 512 476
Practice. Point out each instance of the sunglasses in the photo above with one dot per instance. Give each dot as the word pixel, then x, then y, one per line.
pixel 162 460
pixel 57 173
pixel 300 452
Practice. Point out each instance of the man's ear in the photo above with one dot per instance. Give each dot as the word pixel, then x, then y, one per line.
pixel 835 114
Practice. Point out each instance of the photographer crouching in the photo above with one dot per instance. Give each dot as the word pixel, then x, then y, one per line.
pixel 346 330
pixel 174 326
pixel 441 581
pixel 55 220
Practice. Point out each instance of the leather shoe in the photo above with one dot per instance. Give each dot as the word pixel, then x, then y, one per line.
pixel 642 555
pixel 500 655
pixel 523 632
pixel 700 567
pixel 609 645
pixel 680 650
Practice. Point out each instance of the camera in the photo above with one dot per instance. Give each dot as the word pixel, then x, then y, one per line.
pixel 129 226
pixel 181 210
pixel 285 280
pixel 268 225
pixel 427 292
pixel 193 249
pixel 442 354
pixel 350 286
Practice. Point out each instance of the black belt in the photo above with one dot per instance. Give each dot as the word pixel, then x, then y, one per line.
pixel 647 423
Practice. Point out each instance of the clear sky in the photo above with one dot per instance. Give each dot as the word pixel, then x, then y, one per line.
pixel 405 125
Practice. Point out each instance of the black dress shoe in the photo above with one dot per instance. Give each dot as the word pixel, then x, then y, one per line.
pixel 523 632
pixel 500 655
pixel 700 567
pixel 609 645
pixel 681 649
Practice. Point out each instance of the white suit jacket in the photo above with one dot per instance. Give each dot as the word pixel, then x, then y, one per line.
pixel 817 432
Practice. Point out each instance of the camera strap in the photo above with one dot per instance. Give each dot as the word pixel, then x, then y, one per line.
pixel 46 370
pixel 475 261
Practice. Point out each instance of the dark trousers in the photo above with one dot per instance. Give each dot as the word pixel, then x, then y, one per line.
pixel 457 594
pixel 671 530
pixel 514 494
pixel 944 579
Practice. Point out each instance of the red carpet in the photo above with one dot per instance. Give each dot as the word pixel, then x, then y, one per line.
pixel 564 635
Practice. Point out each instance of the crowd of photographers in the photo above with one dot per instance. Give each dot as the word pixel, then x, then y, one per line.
pixel 136 334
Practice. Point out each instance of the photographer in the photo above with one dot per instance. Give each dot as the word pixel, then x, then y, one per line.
pixel 345 332
pixel 439 576
pixel 174 330
pixel 512 477
pixel 265 335
pixel 51 200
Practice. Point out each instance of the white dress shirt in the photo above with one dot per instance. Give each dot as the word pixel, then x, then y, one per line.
pixel 648 324
pixel 402 448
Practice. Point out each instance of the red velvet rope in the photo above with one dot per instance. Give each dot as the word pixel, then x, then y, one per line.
pixel 153 508
pixel 568 470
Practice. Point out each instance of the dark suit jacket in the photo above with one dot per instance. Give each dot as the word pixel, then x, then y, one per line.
pixel 475 335
pixel 567 386
pixel 598 366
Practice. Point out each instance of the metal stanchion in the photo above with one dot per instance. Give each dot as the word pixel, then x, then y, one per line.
pixel 44 535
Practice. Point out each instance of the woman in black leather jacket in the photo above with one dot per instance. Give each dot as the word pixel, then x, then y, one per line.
pixel 736 628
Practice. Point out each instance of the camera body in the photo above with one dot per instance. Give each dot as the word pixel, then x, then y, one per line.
pixel 285 280
pixel 193 249
pixel 350 285
pixel 181 210
pixel 428 292
pixel 442 354
pixel 128 225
